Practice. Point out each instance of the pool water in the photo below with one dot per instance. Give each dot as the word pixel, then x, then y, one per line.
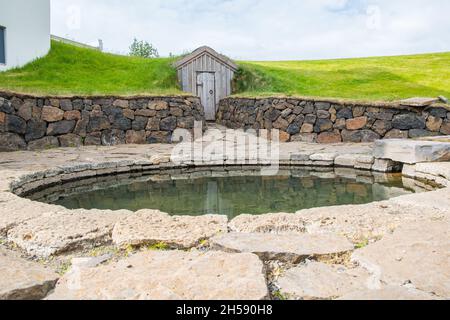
pixel 227 193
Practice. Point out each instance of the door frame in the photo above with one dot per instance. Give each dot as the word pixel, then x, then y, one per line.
pixel 197 73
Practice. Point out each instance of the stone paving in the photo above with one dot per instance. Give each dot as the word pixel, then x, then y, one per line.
pixel 394 249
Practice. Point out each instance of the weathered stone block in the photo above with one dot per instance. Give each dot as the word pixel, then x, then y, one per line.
pixel 158 105
pixel 36 129
pixel 356 123
pixel 345 113
pixel 66 104
pixel 25 111
pixel 408 122
pixel 323 125
pixel 72 115
pixel 139 123
pixel 329 137
pixel 135 137
pixel 44 143
pixel 113 137
pixel 15 124
pixel 434 124
pixel 60 127
pixel 11 142
pixel 98 124
pixel 70 141
pixel 52 114
pixel 396 134
pixel 168 124
pixel 153 124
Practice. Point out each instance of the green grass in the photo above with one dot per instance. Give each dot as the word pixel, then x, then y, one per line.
pixel 69 70
pixel 379 78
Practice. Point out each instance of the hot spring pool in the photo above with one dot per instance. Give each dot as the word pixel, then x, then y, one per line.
pixel 227 192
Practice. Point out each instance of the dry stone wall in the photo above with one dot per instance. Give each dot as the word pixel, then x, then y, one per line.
pixel 36 123
pixel 331 121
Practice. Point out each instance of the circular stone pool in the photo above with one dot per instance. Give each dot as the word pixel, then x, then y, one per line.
pixel 231 191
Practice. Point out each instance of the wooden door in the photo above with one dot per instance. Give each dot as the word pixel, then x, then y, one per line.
pixel 206 90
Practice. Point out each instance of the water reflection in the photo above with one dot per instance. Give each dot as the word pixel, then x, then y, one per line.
pixel 225 192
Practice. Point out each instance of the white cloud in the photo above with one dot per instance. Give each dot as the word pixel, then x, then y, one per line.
pixel 262 29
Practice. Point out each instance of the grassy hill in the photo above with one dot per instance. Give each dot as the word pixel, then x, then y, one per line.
pixel 380 78
pixel 72 70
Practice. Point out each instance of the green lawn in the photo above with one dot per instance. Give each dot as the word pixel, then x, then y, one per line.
pixel 380 78
pixel 72 70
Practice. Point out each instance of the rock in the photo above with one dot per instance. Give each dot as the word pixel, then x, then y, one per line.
pixel 169 275
pixel 322 114
pixel 356 123
pixel 65 231
pixel 98 124
pixel 25 111
pixel 396 134
pixel 158 105
pixel 307 128
pixel 60 127
pixel 346 160
pixel 6 106
pixel 284 137
pixel 369 136
pixel 128 113
pixel 381 127
pixel 351 136
pixel 345 113
pixel 292 248
pixel 139 123
pixel 416 253
pixel 329 137
pixel 412 151
pixel 135 137
pixel 281 124
pixel 445 129
pixel 153 124
pixel 176 112
pixel 310 119
pixel 269 223
pixel 272 115
pixel 434 124
pixel 418 102
pixel 148 227
pixel 113 137
pixel 390 293
pixel 323 105
pixel 11 142
pixel 44 143
pixel 305 137
pixel 144 113
pixel 438 112
pixel 358 111
pixel 121 123
pixel 381 165
pixel 408 121
pixel 443 99
pixel 93 139
pixel 36 129
pixel 70 141
pixel 66 104
pixel 22 279
pixel 168 124
pixel 420 133
pixel 15 124
pixel 323 125
pixel 319 281
pixel 72 115
pixel 293 129
pixel 159 137
pixel 52 114
pixel 121 103
pixel 186 122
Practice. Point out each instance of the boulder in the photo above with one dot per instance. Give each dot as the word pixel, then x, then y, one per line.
pixel 168 124
pixel 36 129
pixel 135 137
pixel 98 124
pixel 329 137
pixel 15 124
pixel 113 137
pixel 356 123
pixel 44 143
pixel 139 123
pixel 70 141
pixel 72 115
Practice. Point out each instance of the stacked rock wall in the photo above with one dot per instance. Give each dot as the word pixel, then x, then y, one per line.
pixel 331 121
pixel 35 123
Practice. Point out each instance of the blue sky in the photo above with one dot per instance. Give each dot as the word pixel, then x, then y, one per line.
pixel 261 29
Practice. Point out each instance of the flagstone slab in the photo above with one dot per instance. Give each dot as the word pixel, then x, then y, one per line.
pixel 319 281
pixel 416 253
pixel 284 247
pixel 168 275
pixel 23 280
pixel 147 227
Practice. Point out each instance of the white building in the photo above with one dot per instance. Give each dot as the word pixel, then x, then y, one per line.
pixel 24 31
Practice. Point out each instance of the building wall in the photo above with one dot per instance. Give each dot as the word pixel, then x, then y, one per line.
pixel 27 30
pixel 206 63
pixel 333 121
